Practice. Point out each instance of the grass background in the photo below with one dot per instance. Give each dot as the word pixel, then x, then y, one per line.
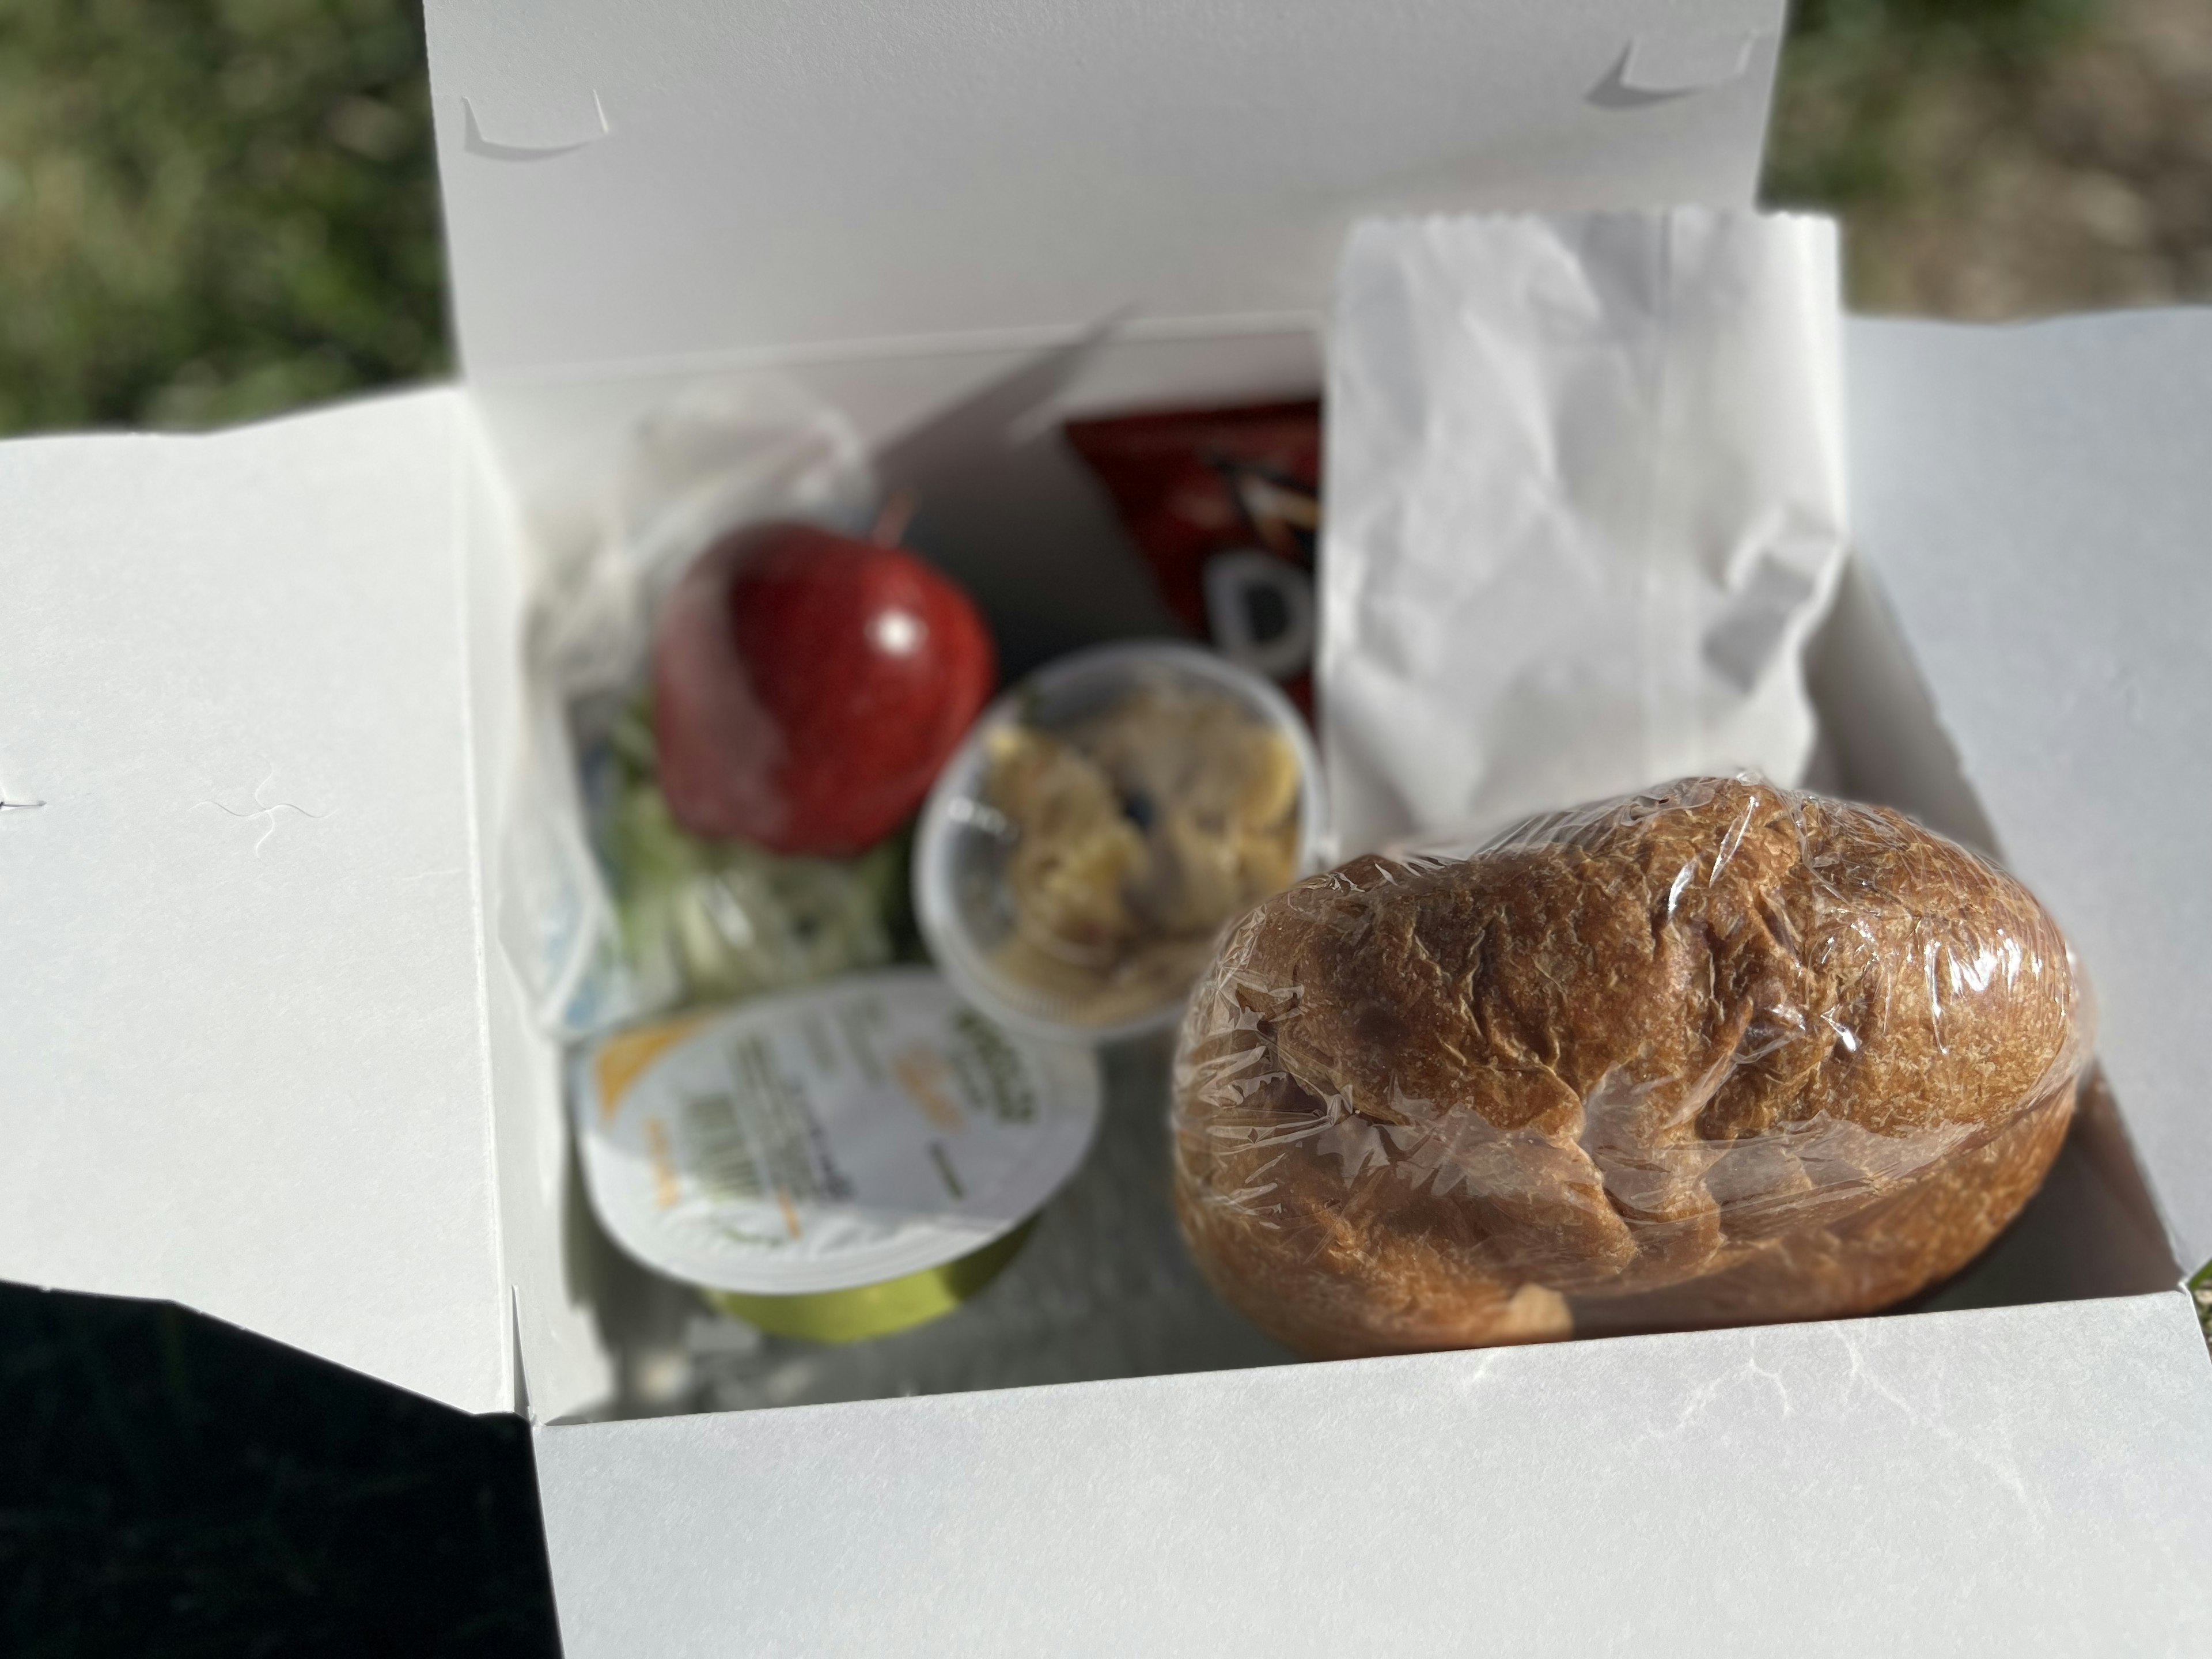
pixel 216 209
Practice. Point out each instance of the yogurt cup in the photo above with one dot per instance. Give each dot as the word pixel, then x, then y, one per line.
pixel 966 847
pixel 836 1162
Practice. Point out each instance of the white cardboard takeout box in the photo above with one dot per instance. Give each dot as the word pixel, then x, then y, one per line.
pixel 258 706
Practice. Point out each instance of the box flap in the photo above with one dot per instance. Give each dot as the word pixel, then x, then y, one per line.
pixel 2037 504
pixel 2021 1480
pixel 561 1366
pixel 243 1036
pixel 860 175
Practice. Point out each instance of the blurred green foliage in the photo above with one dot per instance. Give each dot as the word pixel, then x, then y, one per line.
pixel 1853 66
pixel 2013 27
pixel 212 210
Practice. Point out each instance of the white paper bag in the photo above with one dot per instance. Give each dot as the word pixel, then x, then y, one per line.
pixel 1584 504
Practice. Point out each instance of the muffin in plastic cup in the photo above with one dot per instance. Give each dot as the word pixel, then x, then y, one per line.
pixel 1104 820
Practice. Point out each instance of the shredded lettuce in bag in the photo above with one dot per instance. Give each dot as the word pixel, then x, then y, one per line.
pixel 709 921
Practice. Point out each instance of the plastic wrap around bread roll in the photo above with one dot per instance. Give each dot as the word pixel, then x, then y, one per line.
pixel 1720 1054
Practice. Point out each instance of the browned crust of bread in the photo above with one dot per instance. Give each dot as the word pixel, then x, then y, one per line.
pixel 1724 1053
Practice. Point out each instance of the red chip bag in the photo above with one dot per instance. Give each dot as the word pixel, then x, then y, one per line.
pixel 1225 504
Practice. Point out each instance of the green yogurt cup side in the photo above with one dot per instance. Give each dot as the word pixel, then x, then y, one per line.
pixel 866 1311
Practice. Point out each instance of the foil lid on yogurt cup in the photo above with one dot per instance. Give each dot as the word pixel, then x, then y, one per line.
pixel 848 1134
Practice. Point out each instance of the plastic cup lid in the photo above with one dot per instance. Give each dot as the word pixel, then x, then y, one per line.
pixel 958 900
pixel 833 1137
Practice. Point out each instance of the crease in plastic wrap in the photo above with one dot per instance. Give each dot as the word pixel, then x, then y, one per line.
pixel 1721 1053
pixel 1585 505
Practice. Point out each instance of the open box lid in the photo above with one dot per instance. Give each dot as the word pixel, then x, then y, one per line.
pixel 241 1016
pixel 263 1057
pixel 868 177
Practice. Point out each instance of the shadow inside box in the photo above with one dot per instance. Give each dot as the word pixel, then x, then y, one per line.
pixel 1105 1289
pixel 1102 1289
pixel 2091 1229
pixel 169 1483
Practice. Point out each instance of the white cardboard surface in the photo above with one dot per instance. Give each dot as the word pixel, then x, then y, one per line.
pixel 1877 1486
pixel 561 1366
pixel 2037 504
pixel 850 177
pixel 240 1021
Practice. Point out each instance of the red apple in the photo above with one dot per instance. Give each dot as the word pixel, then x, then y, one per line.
pixel 807 688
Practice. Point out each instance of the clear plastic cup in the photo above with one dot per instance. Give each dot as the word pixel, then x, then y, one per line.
pixel 964 847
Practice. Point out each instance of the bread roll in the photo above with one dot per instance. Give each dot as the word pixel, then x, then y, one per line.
pixel 1719 1053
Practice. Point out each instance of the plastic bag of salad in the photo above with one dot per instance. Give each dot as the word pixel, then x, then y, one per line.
pixel 611 907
